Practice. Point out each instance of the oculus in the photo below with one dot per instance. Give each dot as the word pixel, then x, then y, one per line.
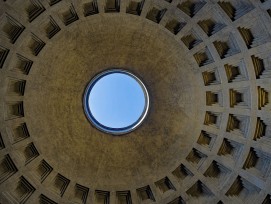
pixel 116 101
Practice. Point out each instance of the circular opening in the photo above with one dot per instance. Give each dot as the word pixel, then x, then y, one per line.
pixel 116 102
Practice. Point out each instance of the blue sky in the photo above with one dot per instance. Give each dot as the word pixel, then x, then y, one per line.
pixel 116 100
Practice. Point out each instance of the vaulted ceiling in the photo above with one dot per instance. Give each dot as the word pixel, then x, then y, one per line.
pixel 207 67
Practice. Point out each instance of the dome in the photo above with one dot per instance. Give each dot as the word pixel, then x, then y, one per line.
pixel 206 66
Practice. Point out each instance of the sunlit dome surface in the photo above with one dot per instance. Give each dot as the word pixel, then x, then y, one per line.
pixel 116 101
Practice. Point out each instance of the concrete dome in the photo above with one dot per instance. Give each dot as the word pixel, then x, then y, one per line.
pixel 207 67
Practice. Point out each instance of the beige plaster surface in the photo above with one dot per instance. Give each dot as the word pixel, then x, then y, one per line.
pixel 54 112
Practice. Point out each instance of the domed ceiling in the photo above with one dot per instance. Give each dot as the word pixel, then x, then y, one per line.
pixel 207 67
